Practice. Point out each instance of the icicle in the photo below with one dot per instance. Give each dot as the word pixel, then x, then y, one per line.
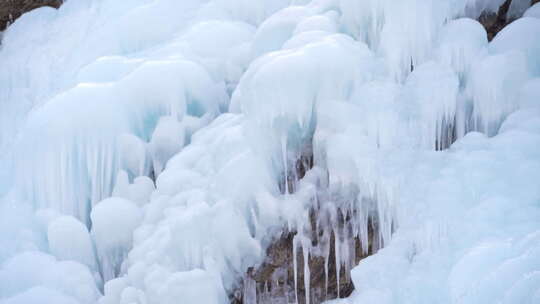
pixel 351 255
pixel 287 296
pixel 295 270
pixel 265 297
pixel 326 250
pixel 337 252
pixel 250 291
pixel 284 156
pixel 363 222
pixel 305 250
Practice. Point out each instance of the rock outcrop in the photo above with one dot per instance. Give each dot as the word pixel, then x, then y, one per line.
pixel 312 265
pixel 13 9
pixel 274 280
pixel 495 22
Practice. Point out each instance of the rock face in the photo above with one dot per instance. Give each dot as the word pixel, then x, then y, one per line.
pixel 311 266
pixel 274 280
pixel 13 9
pixel 496 22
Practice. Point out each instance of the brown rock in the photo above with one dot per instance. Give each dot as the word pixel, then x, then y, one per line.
pixel 273 280
pixel 494 23
pixel 10 10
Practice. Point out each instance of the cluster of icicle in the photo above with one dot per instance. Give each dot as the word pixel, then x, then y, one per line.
pixel 446 84
pixel 337 219
pixel 359 85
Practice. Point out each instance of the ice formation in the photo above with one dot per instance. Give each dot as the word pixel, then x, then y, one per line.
pixel 157 151
pixel 533 11
pixel 113 222
pixel 69 239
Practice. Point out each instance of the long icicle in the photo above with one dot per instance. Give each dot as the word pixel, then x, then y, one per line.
pixel 337 252
pixel 295 270
pixel 307 274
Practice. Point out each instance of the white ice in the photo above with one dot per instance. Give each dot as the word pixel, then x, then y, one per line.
pixel 151 151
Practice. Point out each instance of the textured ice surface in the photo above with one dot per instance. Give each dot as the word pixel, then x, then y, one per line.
pixel 123 179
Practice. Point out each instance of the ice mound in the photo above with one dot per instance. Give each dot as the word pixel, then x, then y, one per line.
pixel 214 182
pixel 113 222
pixel 37 277
pixel 69 239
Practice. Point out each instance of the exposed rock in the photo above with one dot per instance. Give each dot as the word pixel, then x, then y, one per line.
pixel 273 281
pixel 10 10
pixel 494 23
pixel 325 232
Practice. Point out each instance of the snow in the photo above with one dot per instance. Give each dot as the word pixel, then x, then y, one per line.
pixel 151 151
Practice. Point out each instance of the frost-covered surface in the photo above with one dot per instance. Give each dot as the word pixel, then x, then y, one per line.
pixel 401 113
